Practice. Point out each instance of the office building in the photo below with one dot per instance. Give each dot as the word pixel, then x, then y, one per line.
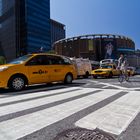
pixel 24 27
pixel 57 31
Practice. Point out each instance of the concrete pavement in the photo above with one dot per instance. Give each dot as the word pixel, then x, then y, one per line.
pixel 101 104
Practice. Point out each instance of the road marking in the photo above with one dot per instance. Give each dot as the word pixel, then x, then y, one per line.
pixel 114 117
pixel 4 110
pixel 27 124
pixel 108 84
pixel 117 86
pixel 137 76
pixel 33 95
pixel 105 86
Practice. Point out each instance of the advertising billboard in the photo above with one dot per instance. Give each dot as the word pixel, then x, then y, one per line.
pixel 109 48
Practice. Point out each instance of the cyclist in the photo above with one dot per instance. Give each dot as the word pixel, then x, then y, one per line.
pixel 122 63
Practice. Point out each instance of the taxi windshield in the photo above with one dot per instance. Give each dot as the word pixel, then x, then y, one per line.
pixel 20 60
pixel 106 66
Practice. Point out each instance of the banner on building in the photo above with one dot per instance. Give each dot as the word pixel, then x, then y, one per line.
pixel 90 45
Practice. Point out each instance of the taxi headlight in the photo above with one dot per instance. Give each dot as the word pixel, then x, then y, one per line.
pixel 3 68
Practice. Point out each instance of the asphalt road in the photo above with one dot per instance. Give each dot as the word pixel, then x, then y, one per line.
pixel 43 112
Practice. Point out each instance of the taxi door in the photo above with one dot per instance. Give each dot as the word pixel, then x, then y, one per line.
pixel 58 69
pixel 38 71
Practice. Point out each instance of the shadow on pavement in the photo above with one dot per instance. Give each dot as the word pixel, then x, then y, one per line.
pixel 40 88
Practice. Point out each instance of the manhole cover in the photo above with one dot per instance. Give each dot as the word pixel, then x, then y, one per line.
pixel 83 134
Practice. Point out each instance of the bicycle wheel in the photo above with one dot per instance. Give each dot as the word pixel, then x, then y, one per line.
pixel 127 78
pixel 121 78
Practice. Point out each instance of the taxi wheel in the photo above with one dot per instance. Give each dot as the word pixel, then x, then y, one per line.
pixel 68 79
pixel 17 83
pixel 110 75
pixel 94 76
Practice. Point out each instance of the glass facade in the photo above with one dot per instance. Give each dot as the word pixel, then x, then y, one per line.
pixel 37 13
pixel 7 29
pixel 24 27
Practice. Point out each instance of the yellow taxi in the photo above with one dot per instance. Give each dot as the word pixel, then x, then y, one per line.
pixel 35 69
pixel 131 71
pixel 106 70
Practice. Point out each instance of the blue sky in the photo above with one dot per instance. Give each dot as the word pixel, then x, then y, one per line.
pixel 99 16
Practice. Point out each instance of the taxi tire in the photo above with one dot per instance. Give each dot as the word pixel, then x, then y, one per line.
pixel 17 80
pixel 94 76
pixel 68 79
pixel 110 75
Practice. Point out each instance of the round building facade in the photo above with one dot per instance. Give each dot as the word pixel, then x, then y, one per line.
pixel 95 47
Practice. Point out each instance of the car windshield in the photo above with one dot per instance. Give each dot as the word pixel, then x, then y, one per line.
pixel 20 59
pixel 106 66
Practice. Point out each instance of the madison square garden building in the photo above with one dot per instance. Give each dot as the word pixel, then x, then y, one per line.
pixel 24 27
pixel 96 46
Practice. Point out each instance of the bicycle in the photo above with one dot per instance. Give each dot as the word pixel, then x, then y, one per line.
pixel 124 76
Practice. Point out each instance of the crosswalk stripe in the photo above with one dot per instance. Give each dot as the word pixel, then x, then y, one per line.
pixel 33 95
pixel 38 102
pixel 110 85
pixel 6 94
pixel 115 117
pixel 27 124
